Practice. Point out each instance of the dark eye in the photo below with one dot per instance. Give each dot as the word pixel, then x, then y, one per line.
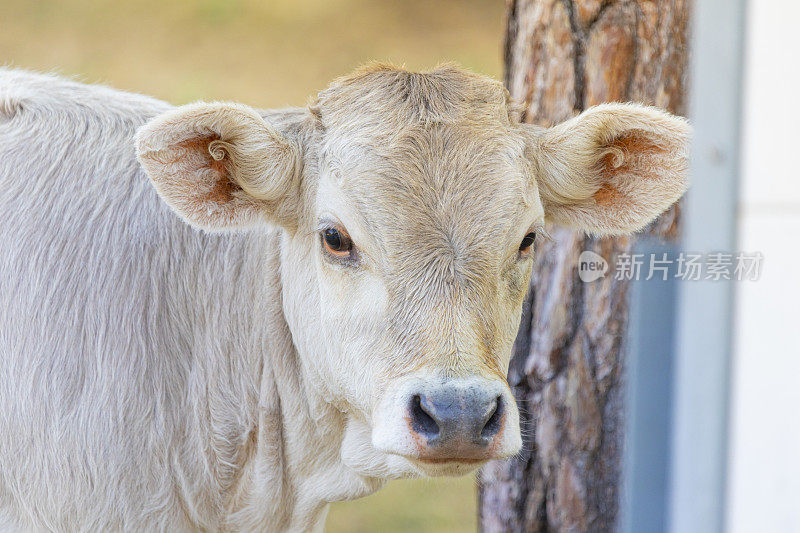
pixel 336 242
pixel 527 242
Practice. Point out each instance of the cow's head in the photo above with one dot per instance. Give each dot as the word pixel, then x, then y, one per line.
pixel 411 204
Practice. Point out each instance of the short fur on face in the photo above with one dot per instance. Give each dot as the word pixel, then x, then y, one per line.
pixel 437 184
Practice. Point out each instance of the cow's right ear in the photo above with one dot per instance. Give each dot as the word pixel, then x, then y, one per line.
pixel 220 166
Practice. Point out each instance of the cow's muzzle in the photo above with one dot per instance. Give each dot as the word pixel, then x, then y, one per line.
pixel 438 421
pixel 453 423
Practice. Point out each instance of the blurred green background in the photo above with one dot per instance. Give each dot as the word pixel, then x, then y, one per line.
pixel 269 53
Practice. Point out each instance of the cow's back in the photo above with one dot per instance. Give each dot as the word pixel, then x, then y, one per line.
pixel 113 315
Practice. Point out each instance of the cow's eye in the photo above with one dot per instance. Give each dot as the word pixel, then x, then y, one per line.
pixel 527 242
pixel 337 242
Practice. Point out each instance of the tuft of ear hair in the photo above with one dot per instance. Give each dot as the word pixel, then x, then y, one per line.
pixel 218 165
pixel 612 169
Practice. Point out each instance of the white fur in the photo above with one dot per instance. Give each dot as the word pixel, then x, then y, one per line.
pixel 147 377
pixel 154 376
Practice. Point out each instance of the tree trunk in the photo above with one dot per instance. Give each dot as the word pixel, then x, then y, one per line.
pixel 562 56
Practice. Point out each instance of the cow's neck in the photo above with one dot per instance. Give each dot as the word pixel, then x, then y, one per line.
pixel 293 467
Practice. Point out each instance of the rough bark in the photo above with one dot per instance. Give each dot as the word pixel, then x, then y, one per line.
pixel 562 56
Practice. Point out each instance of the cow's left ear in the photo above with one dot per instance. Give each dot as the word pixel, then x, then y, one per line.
pixel 612 169
pixel 221 166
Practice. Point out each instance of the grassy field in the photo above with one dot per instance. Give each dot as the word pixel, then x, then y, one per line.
pixel 267 54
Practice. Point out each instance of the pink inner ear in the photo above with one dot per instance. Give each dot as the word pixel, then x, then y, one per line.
pixel 633 155
pixel 198 186
pixel 607 194
pixel 223 189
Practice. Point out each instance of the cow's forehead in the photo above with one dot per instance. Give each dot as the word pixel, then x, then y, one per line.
pixel 381 98
pixel 441 191
pixel 438 169
pixel 431 160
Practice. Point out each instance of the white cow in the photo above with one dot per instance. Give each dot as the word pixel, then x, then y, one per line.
pixel 282 309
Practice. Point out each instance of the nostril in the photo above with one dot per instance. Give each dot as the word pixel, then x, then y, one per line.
pixel 495 420
pixel 421 420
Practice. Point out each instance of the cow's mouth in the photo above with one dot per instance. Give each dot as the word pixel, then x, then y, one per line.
pixel 448 460
pixel 444 466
